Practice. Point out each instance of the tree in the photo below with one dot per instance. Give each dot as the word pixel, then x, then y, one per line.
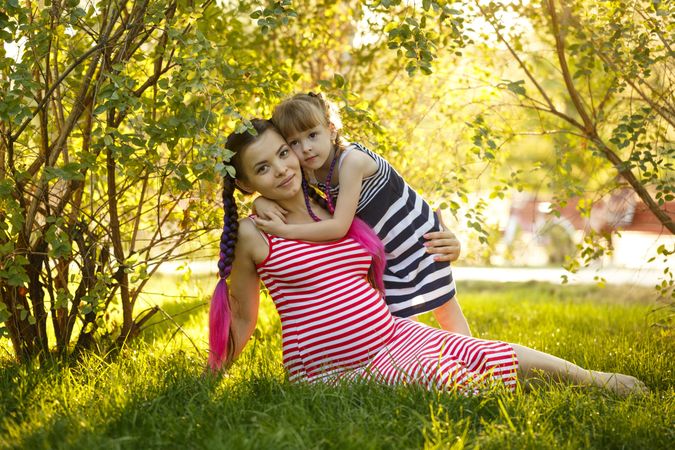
pixel 597 77
pixel 109 136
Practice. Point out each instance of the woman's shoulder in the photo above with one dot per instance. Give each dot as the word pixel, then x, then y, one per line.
pixel 248 232
pixel 250 240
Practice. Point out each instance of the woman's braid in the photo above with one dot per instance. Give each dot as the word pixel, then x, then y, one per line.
pixel 221 334
pixel 228 238
pixel 221 338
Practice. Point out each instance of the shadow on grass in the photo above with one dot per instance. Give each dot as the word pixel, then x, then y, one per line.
pixel 172 316
pixel 167 403
pixel 186 410
pixel 17 384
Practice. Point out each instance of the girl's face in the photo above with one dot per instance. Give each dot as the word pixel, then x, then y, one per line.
pixel 313 147
pixel 268 166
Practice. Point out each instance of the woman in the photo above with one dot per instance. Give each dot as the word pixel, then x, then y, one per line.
pixel 335 324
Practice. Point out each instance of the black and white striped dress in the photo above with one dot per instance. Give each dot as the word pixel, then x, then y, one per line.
pixel 414 282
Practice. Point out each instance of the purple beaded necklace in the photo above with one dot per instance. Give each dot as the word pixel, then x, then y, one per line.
pixel 329 177
pixel 329 199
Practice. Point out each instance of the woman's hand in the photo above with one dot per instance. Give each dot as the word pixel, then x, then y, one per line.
pixel 268 210
pixel 443 243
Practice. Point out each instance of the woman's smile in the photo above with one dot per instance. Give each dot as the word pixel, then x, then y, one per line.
pixel 287 181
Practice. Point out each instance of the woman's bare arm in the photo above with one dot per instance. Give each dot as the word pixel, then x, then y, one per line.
pixel 245 284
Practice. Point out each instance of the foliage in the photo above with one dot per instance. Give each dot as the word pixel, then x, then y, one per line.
pixel 606 98
pixel 572 101
pixel 111 144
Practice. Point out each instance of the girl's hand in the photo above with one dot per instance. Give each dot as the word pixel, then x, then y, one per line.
pixel 443 243
pixel 268 210
pixel 275 226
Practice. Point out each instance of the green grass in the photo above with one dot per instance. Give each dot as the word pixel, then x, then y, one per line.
pixel 154 394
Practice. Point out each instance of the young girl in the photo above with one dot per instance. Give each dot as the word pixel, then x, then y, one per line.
pixel 366 186
pixel 335 324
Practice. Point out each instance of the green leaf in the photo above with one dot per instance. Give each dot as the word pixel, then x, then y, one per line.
pixel 70 171
pixel 77 13
pixel 100 109
pixel 517 87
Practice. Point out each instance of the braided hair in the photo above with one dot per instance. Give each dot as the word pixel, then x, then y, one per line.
pixel 221 342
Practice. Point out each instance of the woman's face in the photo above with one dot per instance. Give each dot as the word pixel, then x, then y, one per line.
pixel 269 167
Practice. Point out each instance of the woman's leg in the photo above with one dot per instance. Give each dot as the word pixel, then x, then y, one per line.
pixel 530 361
pixel 450 317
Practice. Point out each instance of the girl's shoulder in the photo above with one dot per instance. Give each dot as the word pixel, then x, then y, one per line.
pixel 356 147
pixel 366 155
pixel 360 149
pixel 357 161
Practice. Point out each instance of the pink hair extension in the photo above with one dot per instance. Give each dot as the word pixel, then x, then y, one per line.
pixel 220 318
pixel 358 230
pixel 364 235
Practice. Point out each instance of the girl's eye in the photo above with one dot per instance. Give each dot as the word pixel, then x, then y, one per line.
pixel 293 143
pixel 312 135
pixel 261 169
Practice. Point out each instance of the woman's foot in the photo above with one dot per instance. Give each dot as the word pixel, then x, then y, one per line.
pixel 618 383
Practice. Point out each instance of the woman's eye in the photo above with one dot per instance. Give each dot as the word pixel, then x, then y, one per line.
pixel 261 169
pixel 283 153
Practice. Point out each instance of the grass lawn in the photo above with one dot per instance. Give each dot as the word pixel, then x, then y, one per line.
pixel 154 394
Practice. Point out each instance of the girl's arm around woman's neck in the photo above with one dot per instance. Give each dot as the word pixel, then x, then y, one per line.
pixel 352 171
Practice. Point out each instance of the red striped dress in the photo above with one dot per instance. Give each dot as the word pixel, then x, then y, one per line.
pixel 336 326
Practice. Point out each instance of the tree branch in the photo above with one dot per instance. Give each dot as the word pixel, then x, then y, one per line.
pixel 589 125
pixel 520 62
